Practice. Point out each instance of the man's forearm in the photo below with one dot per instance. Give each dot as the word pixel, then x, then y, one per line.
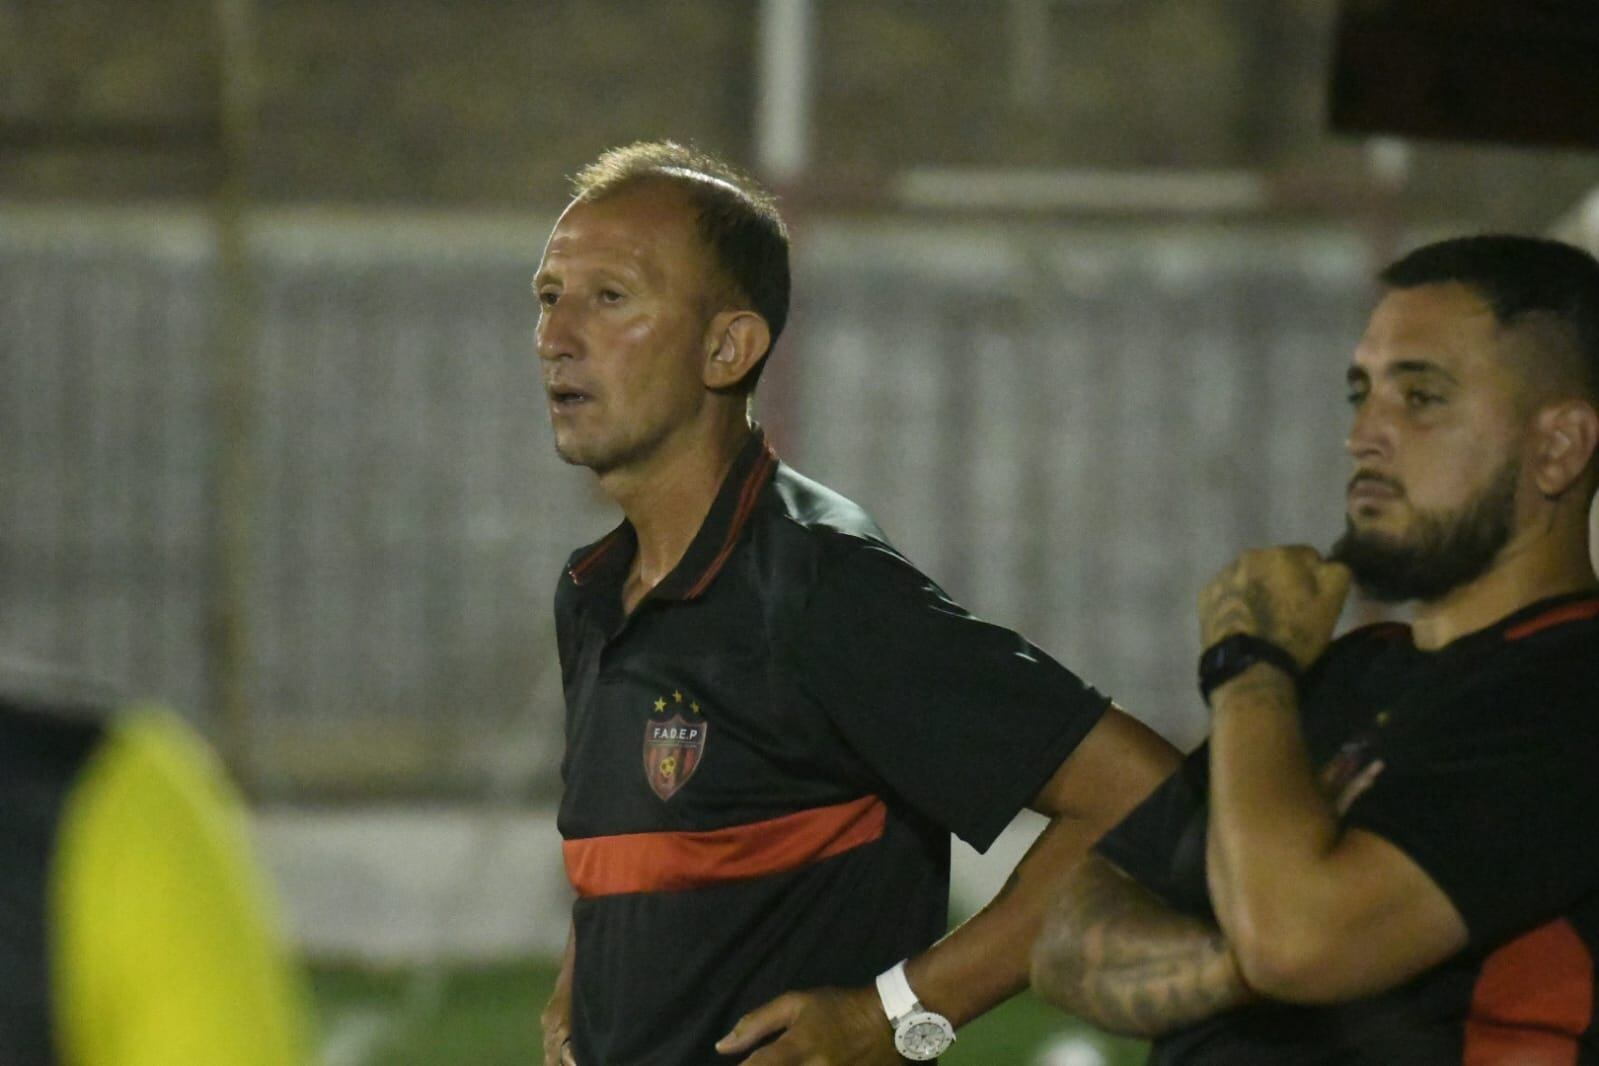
pixel 1115 955
pixel 1270 825
pixel 1314 913
pixel 556 1018
pixel 985 961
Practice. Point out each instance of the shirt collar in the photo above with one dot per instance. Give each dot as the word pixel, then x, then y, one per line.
pixel 605 563
pixel 1536 617
pixel 1548 613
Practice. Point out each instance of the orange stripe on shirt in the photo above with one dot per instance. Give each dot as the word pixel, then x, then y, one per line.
pixel 671 862
pixel 1533 1001
pixel 1571 612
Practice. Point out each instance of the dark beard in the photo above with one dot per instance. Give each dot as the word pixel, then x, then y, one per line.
pixel 1445 551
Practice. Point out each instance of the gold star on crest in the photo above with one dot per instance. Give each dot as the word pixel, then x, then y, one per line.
pixel 695 706
pixel 677 697
pixel 660 705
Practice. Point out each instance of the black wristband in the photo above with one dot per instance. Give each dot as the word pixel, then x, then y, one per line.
pixel 1232 655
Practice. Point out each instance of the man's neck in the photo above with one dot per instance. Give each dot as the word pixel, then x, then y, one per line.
pixel 1551 564
pixel 666 500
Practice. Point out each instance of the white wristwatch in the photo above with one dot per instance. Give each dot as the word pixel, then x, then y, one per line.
pixel 919 1034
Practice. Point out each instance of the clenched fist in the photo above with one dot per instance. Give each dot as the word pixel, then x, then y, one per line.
pixel 1290 596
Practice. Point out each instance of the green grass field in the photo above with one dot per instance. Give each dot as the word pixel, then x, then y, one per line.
pixel 489 1017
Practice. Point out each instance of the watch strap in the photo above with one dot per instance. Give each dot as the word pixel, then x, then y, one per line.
pixel 894 989
pixel 1237 652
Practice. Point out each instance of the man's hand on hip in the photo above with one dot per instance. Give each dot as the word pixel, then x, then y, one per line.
pixel 831 1026
pixel 557 1040
pixel 558 1050
pixel 1290 596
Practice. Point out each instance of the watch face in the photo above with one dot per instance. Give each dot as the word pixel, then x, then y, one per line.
pixel 923 1036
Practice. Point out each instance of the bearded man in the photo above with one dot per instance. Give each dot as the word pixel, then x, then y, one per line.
pixel 1387 852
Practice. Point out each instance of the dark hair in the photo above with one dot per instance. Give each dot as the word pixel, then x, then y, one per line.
pixel 1518 276
pixel 737 219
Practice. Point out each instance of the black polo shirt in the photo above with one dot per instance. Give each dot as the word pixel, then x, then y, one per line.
pixel 1481 762
pixel 766 759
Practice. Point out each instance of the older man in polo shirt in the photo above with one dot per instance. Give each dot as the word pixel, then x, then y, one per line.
pixel 774 721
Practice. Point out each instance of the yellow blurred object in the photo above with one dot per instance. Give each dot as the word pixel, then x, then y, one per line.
pixel 166 952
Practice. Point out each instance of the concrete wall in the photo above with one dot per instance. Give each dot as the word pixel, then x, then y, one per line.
pixel 493 102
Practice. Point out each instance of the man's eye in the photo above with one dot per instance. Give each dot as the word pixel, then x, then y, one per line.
pixel 1356 397
pixel 1416 399
pixel 548 297
pixel 610 296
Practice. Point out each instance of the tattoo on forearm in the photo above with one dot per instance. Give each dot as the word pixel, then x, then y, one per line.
pixel 1236 605
pixel 1116 955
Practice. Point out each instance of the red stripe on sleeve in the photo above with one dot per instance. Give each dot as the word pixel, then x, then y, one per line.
pixel 1533 1000
pixel 671 862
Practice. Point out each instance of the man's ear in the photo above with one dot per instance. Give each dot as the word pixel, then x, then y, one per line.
pixel 1567 435
pixel 735 342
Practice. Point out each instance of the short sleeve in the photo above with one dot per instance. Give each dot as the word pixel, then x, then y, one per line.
pixel 1497 805
pixel 1161 842
pixel 963 720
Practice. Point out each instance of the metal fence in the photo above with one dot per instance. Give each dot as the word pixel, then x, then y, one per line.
pixel 1067 426
pixel 1072 428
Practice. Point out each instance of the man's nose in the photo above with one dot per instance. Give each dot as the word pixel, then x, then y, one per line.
pixel 556 335
pixel 1371 435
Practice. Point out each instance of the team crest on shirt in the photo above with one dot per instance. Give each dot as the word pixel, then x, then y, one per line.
pixel 674 742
